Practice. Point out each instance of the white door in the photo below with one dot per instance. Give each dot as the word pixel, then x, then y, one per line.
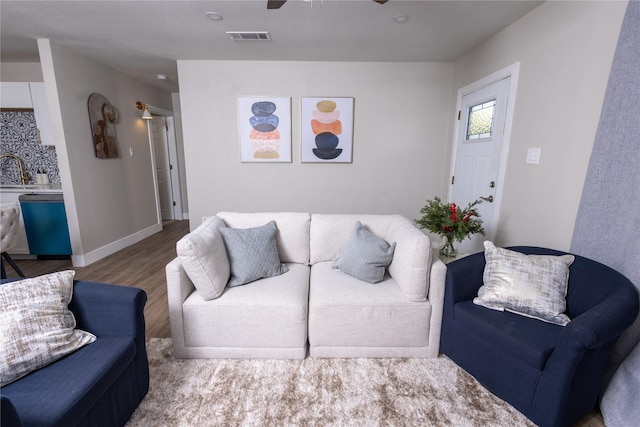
pixel 477 156
pixel 163 167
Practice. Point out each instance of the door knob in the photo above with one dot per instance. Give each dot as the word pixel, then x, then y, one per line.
pixel 487 199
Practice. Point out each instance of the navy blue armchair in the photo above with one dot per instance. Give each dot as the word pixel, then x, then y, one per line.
pixel 550 373
pixel 100 384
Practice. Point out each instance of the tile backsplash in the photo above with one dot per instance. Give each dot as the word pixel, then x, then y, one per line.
pixel 19 136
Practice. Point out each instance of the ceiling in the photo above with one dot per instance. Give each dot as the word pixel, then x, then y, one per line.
pixel 145 38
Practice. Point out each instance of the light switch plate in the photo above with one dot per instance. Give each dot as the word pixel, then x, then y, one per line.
pixel 533 156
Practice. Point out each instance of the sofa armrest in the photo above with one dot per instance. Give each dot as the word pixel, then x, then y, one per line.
pixel 602 323
pixel 179 287
pixel 437 279
pixel 109 310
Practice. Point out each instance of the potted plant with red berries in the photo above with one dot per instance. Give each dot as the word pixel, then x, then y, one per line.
pixel 450 222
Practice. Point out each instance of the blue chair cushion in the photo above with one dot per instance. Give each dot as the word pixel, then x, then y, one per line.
pixel 527 339
pixel 41 398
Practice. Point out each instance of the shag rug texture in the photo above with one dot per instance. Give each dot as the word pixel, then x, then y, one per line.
pixel 315 392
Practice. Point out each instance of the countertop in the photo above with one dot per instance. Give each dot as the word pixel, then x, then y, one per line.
pixel 31 188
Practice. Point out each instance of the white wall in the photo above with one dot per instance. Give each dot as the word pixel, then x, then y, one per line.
pixel 400 137
pixel 565 51
pixel 20 72
pixel 109 202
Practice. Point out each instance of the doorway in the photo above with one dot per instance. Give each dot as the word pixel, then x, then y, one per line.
pixel 480 147
pixel 164 156
pixel 163 167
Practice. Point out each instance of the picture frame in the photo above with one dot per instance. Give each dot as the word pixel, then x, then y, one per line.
pixel 326 129
pixel 264 127
pixel 103 118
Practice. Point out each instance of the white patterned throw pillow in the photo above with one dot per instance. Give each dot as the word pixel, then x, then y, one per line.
pixel 36 326
pixel 531 285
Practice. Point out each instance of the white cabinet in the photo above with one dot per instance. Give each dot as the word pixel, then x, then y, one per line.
pixel 22 247
pixel 41 112
pixel 15 95
pixel 29 95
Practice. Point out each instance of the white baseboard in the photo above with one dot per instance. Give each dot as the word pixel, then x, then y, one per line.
pixel 113 247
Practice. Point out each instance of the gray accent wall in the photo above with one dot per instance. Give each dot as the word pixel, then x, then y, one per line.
pixel 608 222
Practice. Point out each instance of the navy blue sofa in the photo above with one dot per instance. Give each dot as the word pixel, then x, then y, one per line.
pixel 552 374
pixel 102 383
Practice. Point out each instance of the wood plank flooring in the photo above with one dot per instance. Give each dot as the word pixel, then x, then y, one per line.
pixel 142 265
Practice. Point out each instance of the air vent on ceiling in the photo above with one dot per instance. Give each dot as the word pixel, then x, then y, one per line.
pixel 249 35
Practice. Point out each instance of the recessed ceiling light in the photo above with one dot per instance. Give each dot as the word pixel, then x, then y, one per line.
pixel 401 19
pixel 161 77
pixel 213 16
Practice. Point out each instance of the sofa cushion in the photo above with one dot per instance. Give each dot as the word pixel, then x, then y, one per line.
pixel 204 258
pixel 531 285
pixel 253 253
pixel 365 256
pixel 411 263
pixel 36 326
pixel 269 313
pixel 527 339
pixel 347 312
pixel 63 392
pixel 293 231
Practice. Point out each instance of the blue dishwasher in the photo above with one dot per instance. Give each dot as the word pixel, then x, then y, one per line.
pixel 45 222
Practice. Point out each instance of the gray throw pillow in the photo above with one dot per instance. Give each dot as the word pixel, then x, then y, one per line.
pixel 365 256
pixel 530 285
pixel 253 253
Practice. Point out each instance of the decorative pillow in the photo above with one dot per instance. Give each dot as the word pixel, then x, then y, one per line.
pixel 365 256
pixel 253 253
pixel 204 258
pixel 36 327
pixel 531 285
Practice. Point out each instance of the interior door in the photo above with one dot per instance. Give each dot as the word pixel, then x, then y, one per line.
pixel 477 152
pixel 163 167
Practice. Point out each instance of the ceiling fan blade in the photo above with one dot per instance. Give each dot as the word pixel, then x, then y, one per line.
pixel 381 1
pixel 275 4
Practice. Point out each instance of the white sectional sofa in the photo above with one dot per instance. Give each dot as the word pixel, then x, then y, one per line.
pixel 312 306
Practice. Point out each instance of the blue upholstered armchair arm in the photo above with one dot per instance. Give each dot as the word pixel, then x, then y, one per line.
pixel 464 277
pixel 602 323
pixel 8 414
pixel 109 310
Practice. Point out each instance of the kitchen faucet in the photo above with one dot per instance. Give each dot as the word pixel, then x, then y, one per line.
pixel 24 177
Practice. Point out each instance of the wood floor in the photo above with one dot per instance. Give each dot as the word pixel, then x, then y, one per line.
pixel 142 265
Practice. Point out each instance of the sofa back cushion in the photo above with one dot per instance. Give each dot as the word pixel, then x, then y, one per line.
pixel 331 232
pixel 293 231
pixel 412 257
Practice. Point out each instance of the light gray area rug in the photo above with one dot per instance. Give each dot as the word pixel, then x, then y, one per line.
pixel 315 392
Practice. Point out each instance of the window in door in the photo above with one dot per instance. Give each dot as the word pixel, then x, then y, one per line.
pixel 480 120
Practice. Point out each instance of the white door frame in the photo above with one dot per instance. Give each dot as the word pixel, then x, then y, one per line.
pixel 512 72
pixel 173 160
